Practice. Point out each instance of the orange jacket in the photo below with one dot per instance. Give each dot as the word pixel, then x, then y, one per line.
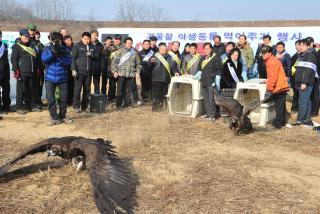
pixel 276 77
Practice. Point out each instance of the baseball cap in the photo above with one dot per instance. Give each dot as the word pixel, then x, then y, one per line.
pixel 32 27
pixel 117 36
pixel 24 32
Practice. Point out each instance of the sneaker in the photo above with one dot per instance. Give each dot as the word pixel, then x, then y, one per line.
pixel 67 120
pixel 212 119
pixel 308 123
pixel 297 123
pixel 204 117
pixel 77 110
pixel 139 103
pixel 53 122
pixel 21 112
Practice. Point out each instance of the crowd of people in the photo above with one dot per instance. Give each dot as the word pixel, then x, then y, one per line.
pixel 114 66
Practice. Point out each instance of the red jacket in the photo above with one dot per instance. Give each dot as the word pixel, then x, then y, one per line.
pixel 276 77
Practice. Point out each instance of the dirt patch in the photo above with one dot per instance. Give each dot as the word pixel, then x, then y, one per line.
pixel 183 165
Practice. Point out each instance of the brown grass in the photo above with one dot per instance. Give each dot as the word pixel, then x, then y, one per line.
pixel 183 165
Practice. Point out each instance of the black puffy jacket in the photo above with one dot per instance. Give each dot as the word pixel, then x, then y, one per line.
pixel 80 61
pixel 4 63
pixel 306 67
pixel 23 61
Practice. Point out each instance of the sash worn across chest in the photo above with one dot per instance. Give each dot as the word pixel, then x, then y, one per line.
pixel 2 49
pixel 192 61
pixel 307 65
pixel 206 61
pixel 175 58
pixel 148 56
pixel 233 73
pixel 164 62
pixel 126 56
pixel 29 50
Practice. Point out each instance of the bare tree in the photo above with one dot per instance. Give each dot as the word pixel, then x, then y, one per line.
pixel 131 11
pixel 11 8
pixel 53 10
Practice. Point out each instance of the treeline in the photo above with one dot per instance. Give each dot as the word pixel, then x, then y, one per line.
pixel 37 9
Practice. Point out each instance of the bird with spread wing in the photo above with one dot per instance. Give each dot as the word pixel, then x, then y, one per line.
pixel 240 123
pixel 110 177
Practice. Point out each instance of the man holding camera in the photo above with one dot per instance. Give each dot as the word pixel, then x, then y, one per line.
pixel 82 67
pixel 57 60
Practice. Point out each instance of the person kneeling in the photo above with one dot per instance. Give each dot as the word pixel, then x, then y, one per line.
pixel 277 85
pixel 57 61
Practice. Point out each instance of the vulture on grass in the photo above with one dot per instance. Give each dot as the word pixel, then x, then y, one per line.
pixel 110 177
pixel 239 121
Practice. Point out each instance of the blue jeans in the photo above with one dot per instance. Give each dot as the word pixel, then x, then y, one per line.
pixel 304 111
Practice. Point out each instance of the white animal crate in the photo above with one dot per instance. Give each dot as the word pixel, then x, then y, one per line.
pixel 251 91
pixel 184 97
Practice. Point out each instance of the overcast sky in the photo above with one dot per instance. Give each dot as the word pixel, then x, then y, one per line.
pixel 207 10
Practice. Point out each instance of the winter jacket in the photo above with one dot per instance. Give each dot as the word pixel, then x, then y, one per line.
pixel 145 66
pixel 247 53
pixel 82 63
pixel 160 72
pixel 24 62
pixel 244 72
pixel 227 80
pixel 285 59
pixel 259 60
pixel 194 68
pixel 219 49
pixel 178 65
pixel 4 62
pixel 105 60
pixel 306 67
pixel 57 66
pixel 97 63
pixel 209 71
pixel 129 67
pixel 276 78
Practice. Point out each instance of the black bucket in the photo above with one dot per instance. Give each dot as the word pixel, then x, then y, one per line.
pixel 98 103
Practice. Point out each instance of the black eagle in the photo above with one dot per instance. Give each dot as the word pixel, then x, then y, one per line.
pixel 240 123
pixel 111 179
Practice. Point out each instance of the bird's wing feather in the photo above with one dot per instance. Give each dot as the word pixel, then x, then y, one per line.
pixel 253 106
pixel 36 148
pixel 110 177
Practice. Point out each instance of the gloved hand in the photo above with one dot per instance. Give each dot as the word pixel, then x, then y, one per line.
pixel 267 95
pixel 74 73
pixel 197 76
pixel 217 82
pixel 255 70
pixel 244 75
pixel 17 74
